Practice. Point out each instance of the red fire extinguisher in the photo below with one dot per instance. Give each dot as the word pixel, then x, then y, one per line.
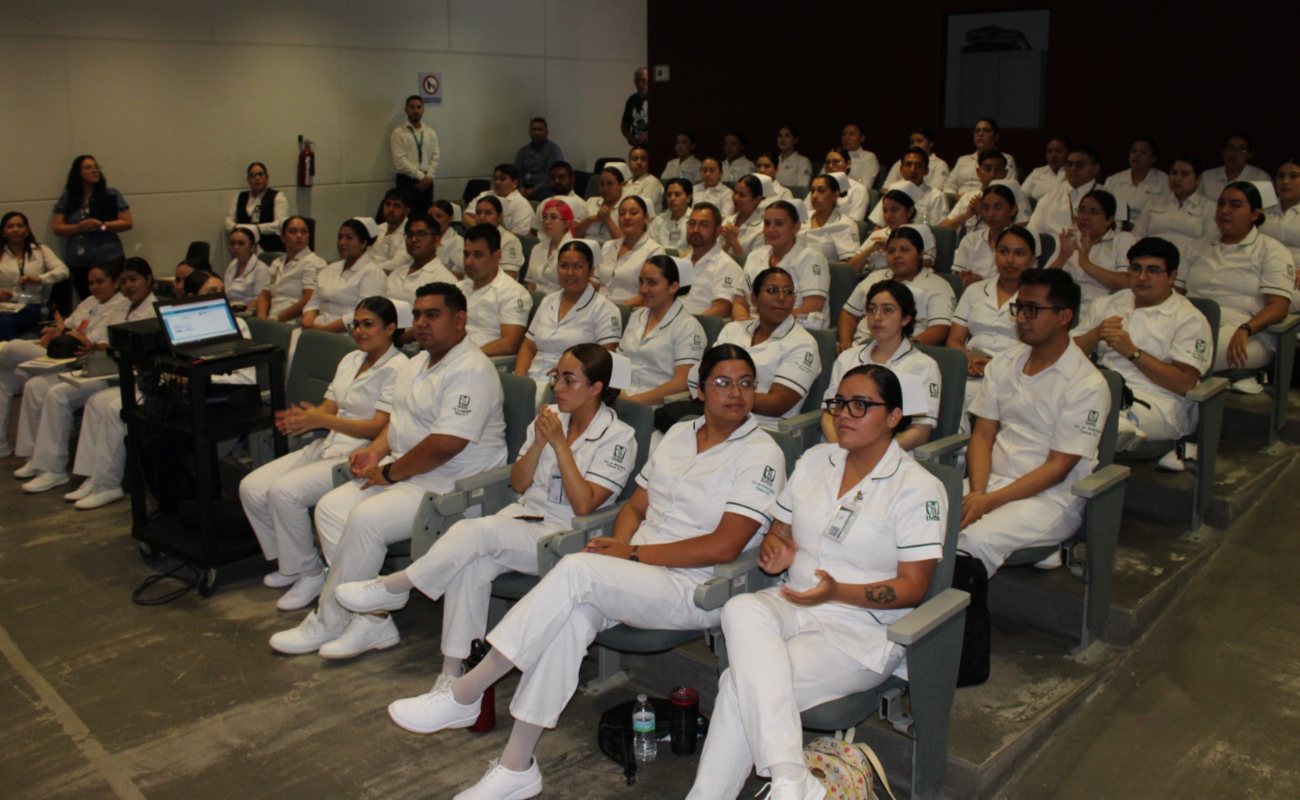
pixel 306 163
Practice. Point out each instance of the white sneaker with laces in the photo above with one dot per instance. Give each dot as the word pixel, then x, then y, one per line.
pixel 86 489
pixel 1249 385
pixel 26 472
pixel 499 783
pixel 278 580
pixel 367 597
pixel 364 632
pixel 432 712
pixel 809 788
pixel 99 499
pixel 444 682
pixel 45 482
pixel 306 638
pixel 303 593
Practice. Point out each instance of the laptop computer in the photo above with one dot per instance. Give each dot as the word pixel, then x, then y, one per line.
pixel 203 327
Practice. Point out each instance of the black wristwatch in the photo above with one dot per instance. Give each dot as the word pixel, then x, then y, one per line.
pixel 384 472
pixel 1246 327
pixel 634 556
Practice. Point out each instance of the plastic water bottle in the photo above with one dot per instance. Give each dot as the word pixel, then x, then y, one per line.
pixel 644 743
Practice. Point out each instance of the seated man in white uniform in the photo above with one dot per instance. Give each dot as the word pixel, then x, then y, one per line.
pixel 1042 180
pixel 389 253
pixel 516 211
pixel 1157 341
pixel 488 211
pixel 931 204
pixel 719 280
pixel 966 211
pixel 446 423
pixel 498 304
pixel 1038 415
pixel 1056 211
pixel 422 239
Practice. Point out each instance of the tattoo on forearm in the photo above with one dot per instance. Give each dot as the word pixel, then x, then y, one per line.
pixel 880 594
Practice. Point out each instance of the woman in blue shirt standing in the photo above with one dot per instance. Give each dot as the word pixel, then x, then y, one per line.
pixel 90 216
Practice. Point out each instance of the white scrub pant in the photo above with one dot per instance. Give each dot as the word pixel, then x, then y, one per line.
pixel 547 633
pixel 1035 521
pixel 101 449
pixel 277 499
pixel 462 564
pixel 778 669
pixel 12 379
pixel 1160 421
pixel 45 422
pixel 1259 350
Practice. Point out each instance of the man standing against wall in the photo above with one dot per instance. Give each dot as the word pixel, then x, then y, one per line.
pixel 636 111
pixel 535 159
pixel 415 155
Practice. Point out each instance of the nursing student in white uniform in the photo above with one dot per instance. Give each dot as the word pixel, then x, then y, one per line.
pixel 792 169
pixel 1282 222
pixel 963 179
pixel 420 240
pixel 937 174
pixel 1042 180
pixel 897 208
pixel 853 202
pixel 765 165
pixel 1056 211
pixel 662 340
pixel 246 275
pixel 931 203
pixel 1183 214
pixel 719 280
pixel 488 211
pixel 49 403
pixel 807 267
pixel 1157 341
pixel 600 222
pixel 1095 257
pixel 101 446
pixel 711 189
pixel 685 165
pixel 865 165
pixel 557 217
pixel 1038 420
pixel 389 252
pixel 341 285
pixel 743 231
pixel 497 306
pixel 668 227
pixel 1249 274
pixel 828 231
pixel 445 423
pixel 1141 183
pixel 701 498
pixel 966 211
pixel 577 458
pixel 451 245
pixel 999 205
pixel 860 527
pixel 27 271
pixel 641 182
pixel 935 300
pixel 516 212
pixel 574 314
pixel 891 316
pixel 1237 150
pixel 786 355
pixel 278 497
pixel 734 163
pixel 619 271
pixel 292 275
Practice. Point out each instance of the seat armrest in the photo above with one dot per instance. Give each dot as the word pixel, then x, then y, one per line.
pixel 504 363
pixel 927 617
pixel 933 451
pixel 677 397
pixel 1207 390
pixel 1100 481
pixel 1287 324
pixel 730 579
pixel 550 549
pixel 342 473
pixel 601 520
pixel 471 490
pixel 800 421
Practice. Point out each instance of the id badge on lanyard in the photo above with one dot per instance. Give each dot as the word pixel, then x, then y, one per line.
pixel 556 494
pixel 843 518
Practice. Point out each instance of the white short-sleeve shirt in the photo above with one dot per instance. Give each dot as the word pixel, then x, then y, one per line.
pixel 852 205
pixel 648 188
pixel 599 231
pixel 358 397
pixel 92 317
pixel 750 234
pixel 794 171
pixel 1041 181
pixel 401 284
pixel 864 166
pixel 543 265
pixel 516 211
pixel 1155 184
pixel 592 319
pixel 338 291
pixel 512 252
pixel 1180 225
pixel 935 177
pixel 389 252
pixel 1214 181
pixel 733 171
pixel 719 196
pixel 907 359
pixel 975 254
pixel 934 298
pixel 245 289
pixel 459 396
pixel 1285 227
pixel 962 179
pixel 932 206
pixel 808 268
pixel 992 328
pixel 1056 211
pixel 1238 276
pixel 837 240
pixel 40 261
pixel 789 357
pixel 620 276
pixel 292 277
pixel 717 277
pixel 975 222
pixel 677 340
pixel 451 251
pixel 1062 408
pixel 503 301
pixel 669 233
pixel 688 168
pixel 1110 253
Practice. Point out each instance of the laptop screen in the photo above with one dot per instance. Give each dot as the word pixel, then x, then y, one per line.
pixel 198 321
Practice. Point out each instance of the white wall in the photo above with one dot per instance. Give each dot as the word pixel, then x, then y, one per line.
pixel 175 97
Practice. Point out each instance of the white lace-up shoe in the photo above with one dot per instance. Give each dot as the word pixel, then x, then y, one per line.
pixel 100 499
pixel 45 482
pixel 86 489
pixel 306 638
pixel 499 783
pixel 364 632
pixel 278 580
pixel 26 472
pixel 432 712
pixel 303 593
pixel 368 597
pixel 809 788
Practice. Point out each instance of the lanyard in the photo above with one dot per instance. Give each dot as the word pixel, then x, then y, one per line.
pixel 419 144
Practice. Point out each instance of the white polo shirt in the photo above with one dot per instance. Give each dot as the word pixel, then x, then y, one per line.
pixel 1214 181
pixel 358 396
pixel 669 233
pixel 620 277
pixel 401 284
pixel 338 291
pixel 1055 212
pixel 902 516
pixel 1110 253
pixel 389 252
pixel 1281 225
pixel 248 287
pixel 852 205
pixel 598 230
pixel 1238 276
pixel 543 264
pixel 934 298
pixel 1155 184
pixel 808 268
pixel 92 317
pixel 689 491
pixel 793 171
pixel 291 278
pixel 907 359
pixel 789 357
pixel 837 240
pixel 932 207
pixel 975 254
pixel 1062 408
pixel 451 250
pixel 976 221
pixel 935 177
pixel 751 232
pixel 733 171
pixel 678 339
pixel 503 301
pixel 512 252
pixel 1180 225
pixel 717 277
pixel 992 328
pixel 688 168
pixel 719 196
pixel 459 396
pixel 648 188
pixel 962 179
pixel 864 166
pixel 592 319
pixel 605 454
pixel 1172 331
pixel 516 211
pixel 1040 183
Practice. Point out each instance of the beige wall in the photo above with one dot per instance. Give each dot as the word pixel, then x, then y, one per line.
pixel 175 97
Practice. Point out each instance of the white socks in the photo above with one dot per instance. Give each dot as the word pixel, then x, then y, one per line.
pixel 398 583
pixel 471 686
pixel 518 755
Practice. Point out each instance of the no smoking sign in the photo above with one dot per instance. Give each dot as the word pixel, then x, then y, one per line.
pixel 431 88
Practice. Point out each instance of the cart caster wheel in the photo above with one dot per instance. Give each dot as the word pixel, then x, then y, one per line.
pixel 148 554
pixel 208 582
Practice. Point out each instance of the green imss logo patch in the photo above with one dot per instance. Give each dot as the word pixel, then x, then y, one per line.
pixel 932 511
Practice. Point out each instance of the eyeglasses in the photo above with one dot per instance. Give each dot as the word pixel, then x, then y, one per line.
pixel 1153 271
pixel 1030 310
pixel 552 218
pixel 1078 163
pixel 363 324
pixel 784 291
pixel 856 406
pixel 419 234
pixel 725 385
pixel 885 309
pixel 566 380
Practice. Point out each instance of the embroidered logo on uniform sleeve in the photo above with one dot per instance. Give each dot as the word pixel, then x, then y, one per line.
pixel 696 342
pixel 619 452
pixel 934 390
pixel 727 281
pixel 816 268
pixel 932 511
pixel 766 484
pixel 462 405
pixel 519 305
pixel 1090 425
pixel 1202 350
pixel 807 364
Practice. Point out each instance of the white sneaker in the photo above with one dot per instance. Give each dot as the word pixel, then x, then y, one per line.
pixel 1249 385
pixel 1128 436
pixel 306 638
pixel 367 597
pixel 444 682
pixel 26 472
pixel 364 632
pixel 45 482
pixel 278 580
pixel 1170 462
pixel 809 788
pixel 499 783
pixel 98 499
pixel 432 712
pixel 303 593
pixel 1051 562
pixel 86 489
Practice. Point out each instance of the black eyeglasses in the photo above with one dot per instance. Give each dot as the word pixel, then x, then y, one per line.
pixel 857 407
pixel 1153 271
pixel 1030 310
